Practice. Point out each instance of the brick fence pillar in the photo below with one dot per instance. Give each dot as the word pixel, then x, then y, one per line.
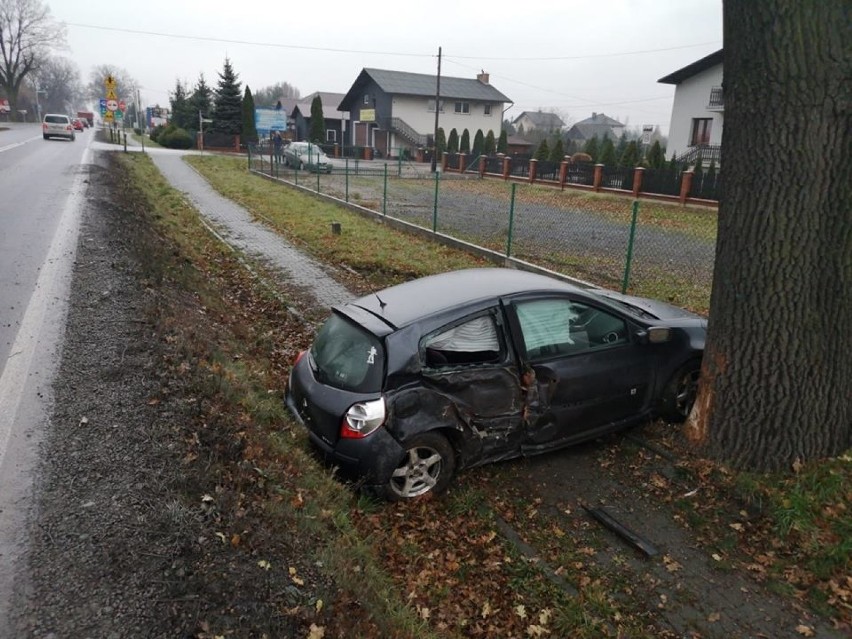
pixel 638 172
pixel 483 161
pixel 563 173
pixel 462 158
pixel 336 150
pixel 445 158
pixel 237 143
pixel 685 186
pixel 533 169
pixel 596 184
pixel 507 167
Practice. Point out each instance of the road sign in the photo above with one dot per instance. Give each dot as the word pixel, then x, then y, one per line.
pixel 102 103
pixel 122 106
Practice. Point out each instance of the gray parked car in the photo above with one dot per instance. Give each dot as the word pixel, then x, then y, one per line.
pixel 404 387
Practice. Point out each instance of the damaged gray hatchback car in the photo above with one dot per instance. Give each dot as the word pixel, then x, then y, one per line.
pixel 405 387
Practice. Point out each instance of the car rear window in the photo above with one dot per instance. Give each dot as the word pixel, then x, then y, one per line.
pixel 348 357
pixel 56 119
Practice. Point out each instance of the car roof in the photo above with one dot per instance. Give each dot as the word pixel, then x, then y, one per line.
pixel 409 302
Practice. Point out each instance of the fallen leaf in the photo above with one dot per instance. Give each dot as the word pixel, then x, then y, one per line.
pixel 736 526
pixel 295 578
pixel 318 605
pixel 486 610
pixel 714 617
pixel 264 564
pixel 536 631
pixel 521 611
pixel 316 632
pixel 83 421
pixel 544 617
pixel 805 631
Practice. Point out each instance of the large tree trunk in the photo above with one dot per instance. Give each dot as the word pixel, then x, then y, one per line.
pixel 777 373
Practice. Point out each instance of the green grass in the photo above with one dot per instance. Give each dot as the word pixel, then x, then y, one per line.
pixel 375 250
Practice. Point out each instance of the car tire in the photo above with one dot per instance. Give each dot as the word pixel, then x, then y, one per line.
pixel 427 467
pixel 680 392
pixel 46 137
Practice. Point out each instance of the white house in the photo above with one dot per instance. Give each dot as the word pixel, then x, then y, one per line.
pixel 698 112
pixel 395 110
pixel 532 120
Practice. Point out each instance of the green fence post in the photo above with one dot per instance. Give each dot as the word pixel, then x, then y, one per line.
pixel 511 220
pixel 435 204
pixel 318 178
pixel 249 153
pixel 296 174
pixel 630 246
pixel 347 179
pixel 399 163
pixel 385 196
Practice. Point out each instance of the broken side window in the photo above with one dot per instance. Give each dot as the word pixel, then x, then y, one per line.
pixel 472 342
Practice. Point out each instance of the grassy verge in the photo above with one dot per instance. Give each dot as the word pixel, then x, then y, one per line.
pixel 443 566
pixel 369 249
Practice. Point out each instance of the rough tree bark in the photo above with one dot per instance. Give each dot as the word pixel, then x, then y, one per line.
pixel 777 372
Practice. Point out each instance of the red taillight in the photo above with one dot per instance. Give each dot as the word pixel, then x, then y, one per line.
pixel 299 357
pixel 44 127
pixel 362 419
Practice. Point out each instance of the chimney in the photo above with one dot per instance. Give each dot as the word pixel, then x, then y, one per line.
pixel 482 77
pixel 594 116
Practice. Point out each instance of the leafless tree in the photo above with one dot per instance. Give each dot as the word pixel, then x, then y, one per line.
pixel 59 79
pixel 27 34
pixel 125 85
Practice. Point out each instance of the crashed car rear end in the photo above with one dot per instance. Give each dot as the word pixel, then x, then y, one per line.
pixel 404 387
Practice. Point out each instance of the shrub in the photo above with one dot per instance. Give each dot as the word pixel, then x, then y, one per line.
pixel 176 139
pixel 157 131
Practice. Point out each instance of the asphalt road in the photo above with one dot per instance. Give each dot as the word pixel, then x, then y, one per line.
pixel 42 190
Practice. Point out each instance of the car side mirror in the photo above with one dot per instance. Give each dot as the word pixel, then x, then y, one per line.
pixel 659 334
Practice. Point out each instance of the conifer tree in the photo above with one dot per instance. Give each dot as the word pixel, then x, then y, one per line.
pixel 503 142
pixel 490 145
pixel 478 142
pixel 656 157
pixel 453 142
pixel 227 104
pixel 201 99
pixel 557 153
pixel 592 148
pixel 317 130
pixel 607 153
pixel 543 151
pixel 464 145
pixel 249 134
pixel 630 157
pixel 440 142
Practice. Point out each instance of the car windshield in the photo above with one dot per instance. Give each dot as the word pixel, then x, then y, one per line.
pixel 313 151
pixel 348 357
pixel 56 119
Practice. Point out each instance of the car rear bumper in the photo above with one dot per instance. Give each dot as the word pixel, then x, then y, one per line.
pixel 370 460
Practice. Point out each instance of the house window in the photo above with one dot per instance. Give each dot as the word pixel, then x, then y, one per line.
pixel 487 109
pixel 366 99
pixel 430 106
pixel 700 131
pixel 330 135
pixel 463 107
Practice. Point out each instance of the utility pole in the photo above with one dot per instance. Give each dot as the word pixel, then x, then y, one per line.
pixel 437 110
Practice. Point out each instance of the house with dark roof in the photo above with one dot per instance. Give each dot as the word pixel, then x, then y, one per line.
pixel 600 125
pixel 698 111
pixel 532 120
pixel 394 111
pixel 336 121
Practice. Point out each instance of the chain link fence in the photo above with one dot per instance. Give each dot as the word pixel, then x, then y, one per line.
pixel 664 251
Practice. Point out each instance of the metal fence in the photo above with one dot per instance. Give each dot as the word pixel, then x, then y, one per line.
pixel 535 223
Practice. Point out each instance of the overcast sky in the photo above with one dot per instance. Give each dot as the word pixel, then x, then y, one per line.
pixel 570 56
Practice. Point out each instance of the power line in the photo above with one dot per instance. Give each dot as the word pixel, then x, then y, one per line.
pixel 246 42
pixel 585 56
pixel 370 52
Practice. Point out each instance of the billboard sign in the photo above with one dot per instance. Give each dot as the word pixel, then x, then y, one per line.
pixel 267 120
pixel 4 106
